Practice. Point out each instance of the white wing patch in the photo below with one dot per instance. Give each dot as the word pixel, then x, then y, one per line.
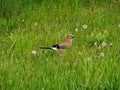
pixel 54 48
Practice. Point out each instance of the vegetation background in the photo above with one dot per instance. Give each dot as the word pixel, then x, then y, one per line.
pixel 93 61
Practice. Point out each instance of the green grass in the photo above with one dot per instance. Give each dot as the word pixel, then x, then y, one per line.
pixel 26 25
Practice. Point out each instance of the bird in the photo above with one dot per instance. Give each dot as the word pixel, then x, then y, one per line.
pixel 61 46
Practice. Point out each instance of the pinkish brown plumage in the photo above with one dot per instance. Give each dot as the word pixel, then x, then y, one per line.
pixel 61 46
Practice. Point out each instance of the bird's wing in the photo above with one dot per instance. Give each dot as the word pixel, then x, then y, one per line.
pixel 57 46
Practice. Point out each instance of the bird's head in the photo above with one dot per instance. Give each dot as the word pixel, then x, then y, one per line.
pixel 70 36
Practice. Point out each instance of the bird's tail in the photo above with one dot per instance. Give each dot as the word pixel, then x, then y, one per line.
pixel 45 47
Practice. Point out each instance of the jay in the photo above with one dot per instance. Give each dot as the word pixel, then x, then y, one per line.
pixel 61 46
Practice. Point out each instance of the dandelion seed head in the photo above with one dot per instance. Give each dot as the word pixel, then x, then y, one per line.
pixel 85 26
pixel 104 44
pixel 34 52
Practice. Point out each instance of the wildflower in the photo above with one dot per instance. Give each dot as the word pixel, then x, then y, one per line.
pixel 104 44
pixel 85 26
pixel 76 29
pixel 34 52
pixel 35 23
pixel 102 54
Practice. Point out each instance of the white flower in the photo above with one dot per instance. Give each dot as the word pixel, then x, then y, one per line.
pixel 35 23
pixel 76 29
pixel 102 54
pixel 104 44
pixel 34 52
pixel 85 26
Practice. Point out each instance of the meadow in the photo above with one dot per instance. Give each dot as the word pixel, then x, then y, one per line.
pixel 91 63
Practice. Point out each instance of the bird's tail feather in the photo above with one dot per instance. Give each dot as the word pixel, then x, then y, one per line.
pixel 45 47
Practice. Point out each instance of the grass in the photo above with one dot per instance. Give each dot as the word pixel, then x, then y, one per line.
pixel 26 25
